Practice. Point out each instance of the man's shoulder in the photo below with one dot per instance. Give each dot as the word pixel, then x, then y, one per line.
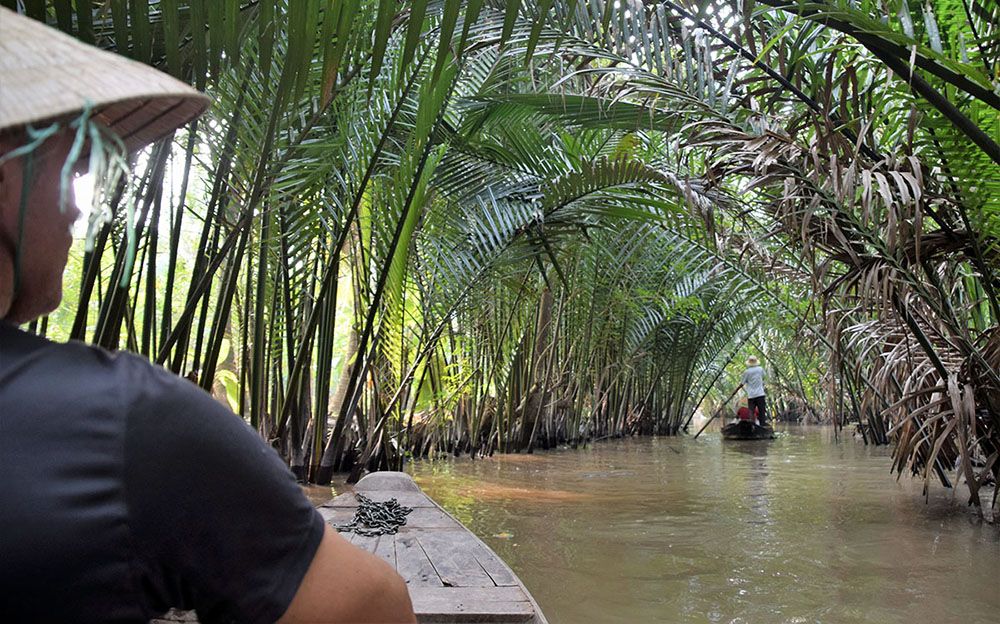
pixel 19 347
pixel 33 365
pixel 83 370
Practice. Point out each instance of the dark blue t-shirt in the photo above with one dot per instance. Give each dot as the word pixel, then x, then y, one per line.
pixel 125 491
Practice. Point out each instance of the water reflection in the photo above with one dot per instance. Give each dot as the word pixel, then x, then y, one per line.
pixel 801 529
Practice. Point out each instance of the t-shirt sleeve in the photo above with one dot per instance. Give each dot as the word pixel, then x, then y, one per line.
pixel 219 523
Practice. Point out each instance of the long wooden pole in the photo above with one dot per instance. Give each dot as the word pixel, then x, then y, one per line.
pixel 719 411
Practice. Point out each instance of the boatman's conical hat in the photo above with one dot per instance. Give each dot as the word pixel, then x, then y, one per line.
pixel 47 75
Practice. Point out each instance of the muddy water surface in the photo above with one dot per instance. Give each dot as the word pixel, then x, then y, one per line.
pixel 801 529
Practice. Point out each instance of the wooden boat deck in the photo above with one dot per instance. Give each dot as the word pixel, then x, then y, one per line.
pixel 452 575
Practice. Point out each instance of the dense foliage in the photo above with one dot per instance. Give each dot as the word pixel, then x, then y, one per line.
pixel 478 226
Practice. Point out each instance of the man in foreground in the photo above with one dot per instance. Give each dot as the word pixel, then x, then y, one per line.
pixel 126 490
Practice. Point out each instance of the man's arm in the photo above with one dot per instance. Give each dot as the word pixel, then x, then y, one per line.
pixel 347 584
pixel 220 526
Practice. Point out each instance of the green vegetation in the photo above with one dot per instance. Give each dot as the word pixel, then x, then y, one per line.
pixel 410 227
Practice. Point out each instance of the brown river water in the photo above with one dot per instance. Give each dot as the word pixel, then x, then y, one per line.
pixel 802 529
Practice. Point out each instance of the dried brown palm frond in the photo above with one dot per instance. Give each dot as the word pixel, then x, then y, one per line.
pixel 887 243
pixel 933 419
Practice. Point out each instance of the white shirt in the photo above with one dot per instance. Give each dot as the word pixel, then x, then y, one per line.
pixel 753 381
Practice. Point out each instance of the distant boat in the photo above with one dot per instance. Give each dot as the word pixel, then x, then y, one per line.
pixel 747 430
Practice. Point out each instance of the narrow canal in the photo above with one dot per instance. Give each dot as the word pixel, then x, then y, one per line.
pixel 802 529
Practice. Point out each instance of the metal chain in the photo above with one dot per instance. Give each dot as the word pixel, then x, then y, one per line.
pixel 372 518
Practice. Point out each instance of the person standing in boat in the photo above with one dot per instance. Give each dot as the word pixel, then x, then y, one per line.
pixel 753 382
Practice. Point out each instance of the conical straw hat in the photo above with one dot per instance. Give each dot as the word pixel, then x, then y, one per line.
pixel 46 74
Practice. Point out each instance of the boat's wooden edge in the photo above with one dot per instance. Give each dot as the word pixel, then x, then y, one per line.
pixel 733 431
pixel 391 482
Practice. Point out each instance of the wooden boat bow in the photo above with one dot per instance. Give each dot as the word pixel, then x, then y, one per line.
pixel 452 575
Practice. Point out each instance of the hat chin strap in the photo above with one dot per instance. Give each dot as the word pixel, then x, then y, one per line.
pixel 7 255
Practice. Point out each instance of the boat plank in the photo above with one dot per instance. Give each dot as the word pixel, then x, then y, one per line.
pixel 386 549
pixel 419 518
pixel 487 559
pixel 431 518
pixel 412 563
pixel 175 616
pixel 365 542
pixel 407 499
pixel 454 562
pixel 472 604
pixel 337 515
